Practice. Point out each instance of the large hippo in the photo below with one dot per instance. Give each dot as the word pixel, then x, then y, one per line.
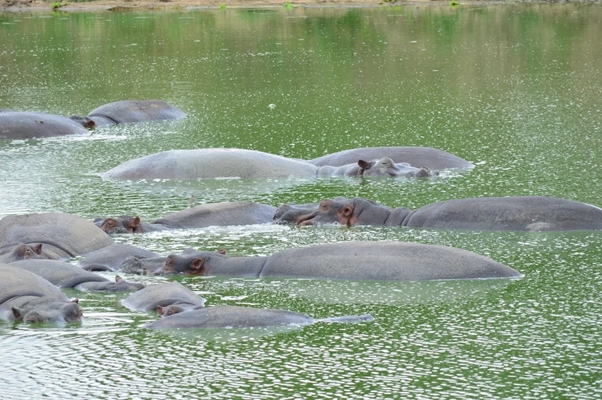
pixel 214 214
pixel 126 111
pixel 165 298
pixel 65 275
pixel 433 159
pixel 62 235
pixel 27 125
pixel 242 317
pixel 251 164
pixel 110 258
pixel 382 167
pixel 377 261
pixel 523 213
pixel 27 297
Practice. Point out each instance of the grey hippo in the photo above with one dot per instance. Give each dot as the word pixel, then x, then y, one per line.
pixel 522 213
pixel 243 317
pixel 434 159
pixel 27 297
pixel 61 235
pixel 164 298
pixel 110 258
pixel 247 164
pixel 213 214
pixel 383 167
pixel 127 111
pixel 65 275
pixel 375 261
pixel 28 125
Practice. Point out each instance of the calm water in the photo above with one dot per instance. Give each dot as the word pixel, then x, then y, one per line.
pixel 516 89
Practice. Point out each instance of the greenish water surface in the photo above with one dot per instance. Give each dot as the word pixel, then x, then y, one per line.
pixel 516 89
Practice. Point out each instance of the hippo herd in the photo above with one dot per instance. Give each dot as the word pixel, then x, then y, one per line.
pixel 42 253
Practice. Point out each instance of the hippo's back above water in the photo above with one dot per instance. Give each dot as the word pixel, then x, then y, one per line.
pixel 417 157
pixel 126 111
pixel 210 163
pixel 27 125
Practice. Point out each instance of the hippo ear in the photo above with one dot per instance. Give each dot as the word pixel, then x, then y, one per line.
pixel 133 224
pixel 119 279
pixel 17 314
pixel 108 224
pixel 169 266
pixel 365 164
pixel 75 300
pixel 347 211
pixel 160 310
pixel 196 266
pixel 221 251
pixel 38 248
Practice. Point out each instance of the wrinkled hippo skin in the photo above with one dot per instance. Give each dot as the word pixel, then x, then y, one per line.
pixel 127 111
pixel 65 275
pixel 375 261
pixel 382 167
pixel 433 159
pixel 215 214
pixel 62 235
pixel 27 297
pixel 242 317
pixel 524 213
pixel 210 163
pixel 165 298
pixel 27 125
pixel 111 258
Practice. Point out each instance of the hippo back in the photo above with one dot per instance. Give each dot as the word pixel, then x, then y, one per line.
pixel 384 261
pixel 59 273
pixel 69 234
pixel 434 159
pixel 26 125
pixel 16 282
pixel 137 111
pixel 220 214
pixel 163 294
pixel 523 213
pixel 230 317
pixel 210 163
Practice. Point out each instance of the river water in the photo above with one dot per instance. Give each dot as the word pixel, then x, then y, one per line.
pixel 516 89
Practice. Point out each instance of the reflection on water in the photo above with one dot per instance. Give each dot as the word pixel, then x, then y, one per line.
pixel 513 88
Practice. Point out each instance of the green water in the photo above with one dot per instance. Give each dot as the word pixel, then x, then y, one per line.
pixel 515 89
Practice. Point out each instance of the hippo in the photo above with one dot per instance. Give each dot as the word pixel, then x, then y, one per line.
pixel 28 125
pixel 242 317
pixel 165 298
pixel 62 235
pixel 371 261
pixel 251 164
pixel 27 297
pixel 65 275
pixel 433 159
pixel 127 111
pixel 522 213
pixel 383 167
pixel 214 214
pixel 21 251
pixel 110 258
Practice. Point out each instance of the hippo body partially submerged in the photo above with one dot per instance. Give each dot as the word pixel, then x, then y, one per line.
pixel 28 125
pixel 128 111
pixel 165 298
pixel 523 213
pixel 242 317
pixel 27 297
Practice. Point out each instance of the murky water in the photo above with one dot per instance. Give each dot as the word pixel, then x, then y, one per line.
pixel 515 89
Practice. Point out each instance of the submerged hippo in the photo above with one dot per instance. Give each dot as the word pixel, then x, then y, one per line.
pixel 378 261
pixel 27 125
pixel 240 163
pixel 62 235
pixel 242 317
pixel 215 214
pixel 24 296
pixel 65 275
pixel 21 251
pixel 126 111
pixel 524 213
pixel 165 298
pixel 110 258
pixel 383 167
pixel 433 159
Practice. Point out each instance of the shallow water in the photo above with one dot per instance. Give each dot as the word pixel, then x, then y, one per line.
pixel 514 89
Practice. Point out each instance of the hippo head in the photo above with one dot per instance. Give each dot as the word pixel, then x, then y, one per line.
pixel 191 262
pixel 119 225
pixel 26 252
pixel 290 213
pixel 169 310
pixel 45 310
